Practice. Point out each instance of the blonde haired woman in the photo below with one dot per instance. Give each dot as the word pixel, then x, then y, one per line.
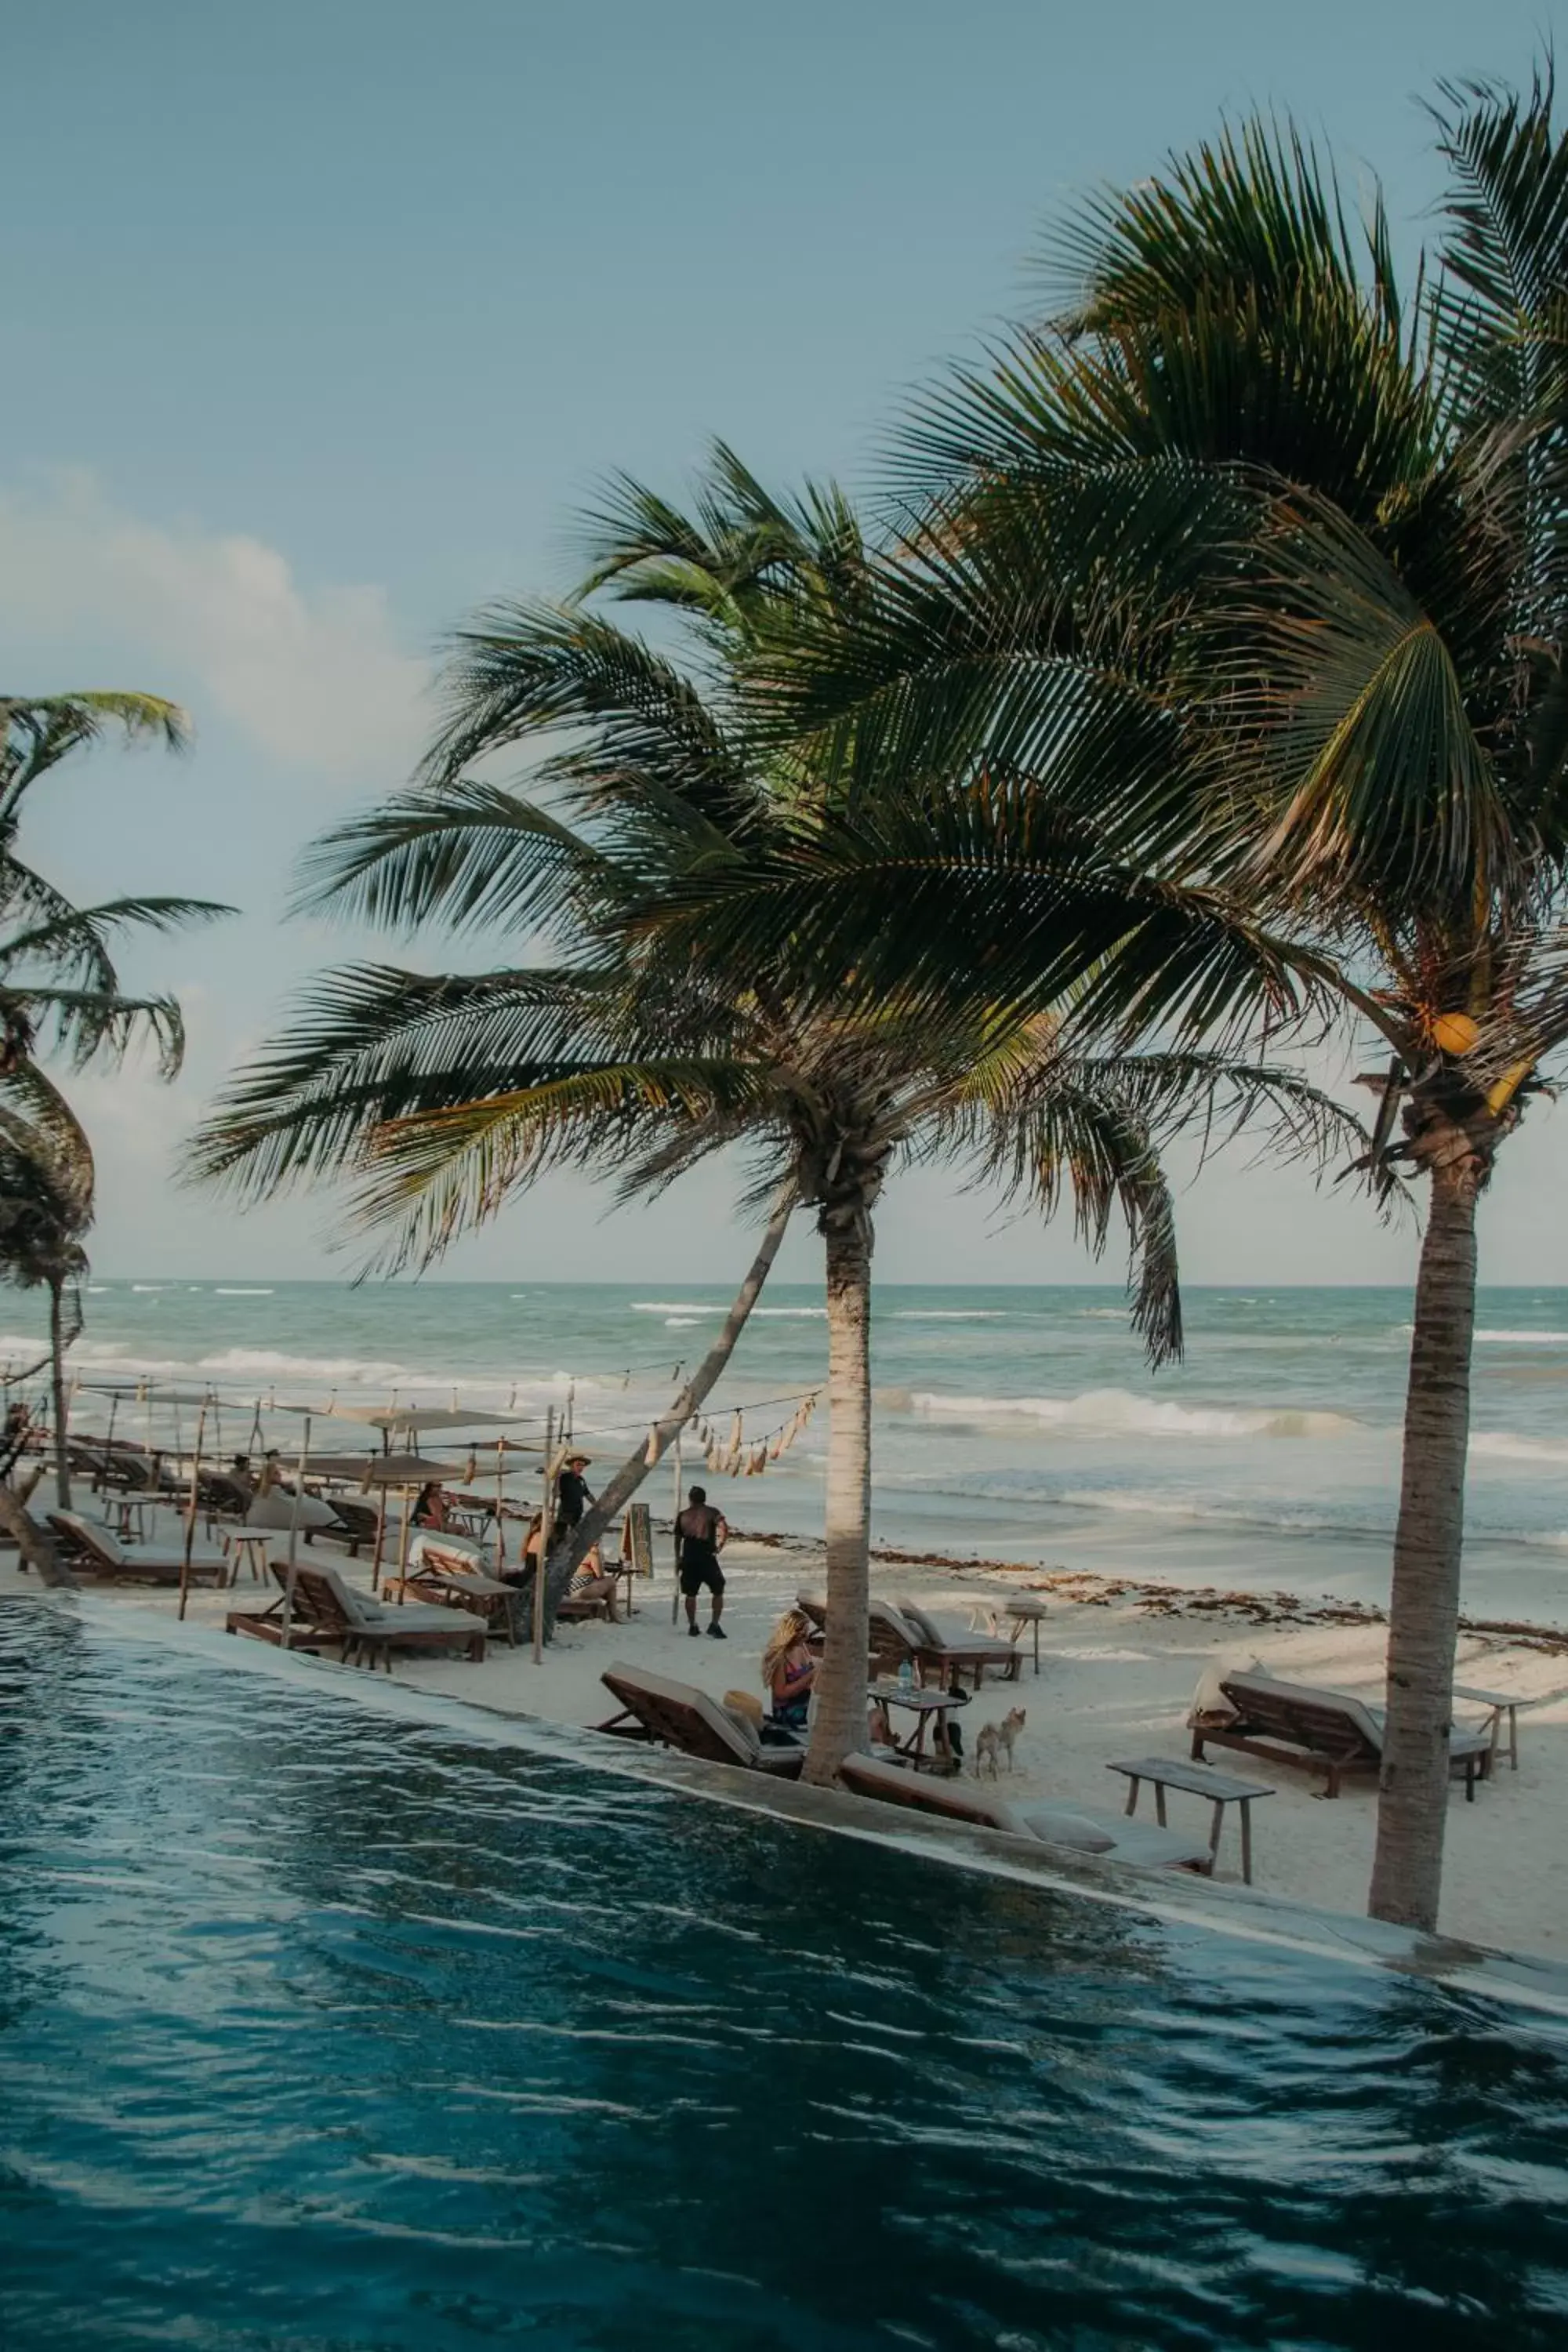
pixel 789 1669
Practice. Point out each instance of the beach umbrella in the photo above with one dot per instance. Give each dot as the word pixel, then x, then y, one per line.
pixel 367 1470
pixel 414 1419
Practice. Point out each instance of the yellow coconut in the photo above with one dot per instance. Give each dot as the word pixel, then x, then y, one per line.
pixel 1455 1033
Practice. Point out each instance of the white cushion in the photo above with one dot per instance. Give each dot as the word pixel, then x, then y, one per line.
pixel 1059 1828
pixel 94 1532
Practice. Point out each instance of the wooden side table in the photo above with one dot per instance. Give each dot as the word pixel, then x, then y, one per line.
pixel 1221 1789
pixel 1023 1612
pixel 926 1706
pixel 1501 1703
pixel 248 1546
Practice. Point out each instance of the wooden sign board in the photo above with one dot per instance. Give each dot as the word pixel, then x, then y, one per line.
pixel 636 1539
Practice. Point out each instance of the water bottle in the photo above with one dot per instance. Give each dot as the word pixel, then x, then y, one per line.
pixel 906 1674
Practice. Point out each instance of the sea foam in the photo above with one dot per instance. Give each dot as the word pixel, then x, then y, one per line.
pixel 1118 1412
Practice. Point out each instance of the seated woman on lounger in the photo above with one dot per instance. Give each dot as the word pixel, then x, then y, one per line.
pixel 430 1510
pixel 589 1581
pixel 789 1669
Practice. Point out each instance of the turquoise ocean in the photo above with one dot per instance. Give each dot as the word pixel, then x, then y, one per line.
pixel 1011 1424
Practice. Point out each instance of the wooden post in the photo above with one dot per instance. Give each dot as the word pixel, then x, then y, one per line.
pixel 380 1538
pixel 191 1508
pixel 405 1531
pixel 501 1504
pixel 546 1527
pixel 109 1442
pixel 294 1532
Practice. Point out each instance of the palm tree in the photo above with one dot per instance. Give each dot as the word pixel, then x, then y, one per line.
pixel 640 1054
pixel 61 990
pixel 58 983
pixel 45 1208
pixel 1221 674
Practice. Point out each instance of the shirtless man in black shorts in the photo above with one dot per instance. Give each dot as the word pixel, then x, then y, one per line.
pixel 700 1534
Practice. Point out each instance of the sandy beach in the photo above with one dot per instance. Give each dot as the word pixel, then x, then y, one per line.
pixel 1119 1662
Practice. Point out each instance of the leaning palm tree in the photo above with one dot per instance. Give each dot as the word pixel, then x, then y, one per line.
pixel 639 1054
pixel 1222 675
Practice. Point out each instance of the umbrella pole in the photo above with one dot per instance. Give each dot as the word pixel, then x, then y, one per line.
pixel 403 1546
pixel 501 1504
pixel 294 1532
pixel 191 1509
pixel 545 1518
pixel 380 1539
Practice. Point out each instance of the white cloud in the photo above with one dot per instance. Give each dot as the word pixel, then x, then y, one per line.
pixel 315 677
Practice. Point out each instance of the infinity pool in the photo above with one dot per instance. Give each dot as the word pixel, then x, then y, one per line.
pixel 327 2029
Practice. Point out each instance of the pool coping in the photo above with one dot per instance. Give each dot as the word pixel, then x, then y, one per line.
pixel 1179 1899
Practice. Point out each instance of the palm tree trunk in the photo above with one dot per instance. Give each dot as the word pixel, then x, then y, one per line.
pixel 35 1544
pixel 838 1714
pixel 57 1380
pixel 1424 1604
pixel 595 1521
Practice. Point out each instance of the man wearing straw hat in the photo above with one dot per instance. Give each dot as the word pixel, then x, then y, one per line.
pixel 571 1496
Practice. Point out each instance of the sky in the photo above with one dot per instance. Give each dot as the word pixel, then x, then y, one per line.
pixel 322 321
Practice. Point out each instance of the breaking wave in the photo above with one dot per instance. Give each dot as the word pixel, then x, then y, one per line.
pixel 1117 1412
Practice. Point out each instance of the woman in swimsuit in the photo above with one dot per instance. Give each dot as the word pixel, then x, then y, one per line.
pixel 789 1669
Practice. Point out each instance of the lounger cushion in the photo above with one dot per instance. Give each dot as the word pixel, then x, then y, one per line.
pixel 1121 1841
pixel 103 1540
pixel 430 1544
pixel 739 1739
pixel 383 1616
pixel 893 1620
pixel 1144 1846
pixel 92 1533
pixel 1368 1720
pixel 1061 1828
pixel 934 1635
pixel 869 1777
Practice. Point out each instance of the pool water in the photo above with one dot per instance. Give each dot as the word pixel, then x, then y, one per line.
pixel 324 2028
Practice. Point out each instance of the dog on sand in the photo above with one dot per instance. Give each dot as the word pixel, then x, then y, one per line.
pixel 995 1739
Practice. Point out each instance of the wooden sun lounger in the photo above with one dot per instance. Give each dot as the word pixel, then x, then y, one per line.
pixel 222 1498
pixel 129 1467
pixel 1320 1731
pixel 359 1523
pixel 679 1715
pixel 266 1624
pixel 1120 1841
pixel 889 1642
pixel 369 1629
pixel 589 1596
pixel 446 1566
pixel 950 1655
pixel 95 1550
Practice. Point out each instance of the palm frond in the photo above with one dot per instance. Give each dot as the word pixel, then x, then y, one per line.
pixel 524 672
pixel 473 853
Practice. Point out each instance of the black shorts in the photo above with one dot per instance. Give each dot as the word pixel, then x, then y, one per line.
pixel 696 1573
